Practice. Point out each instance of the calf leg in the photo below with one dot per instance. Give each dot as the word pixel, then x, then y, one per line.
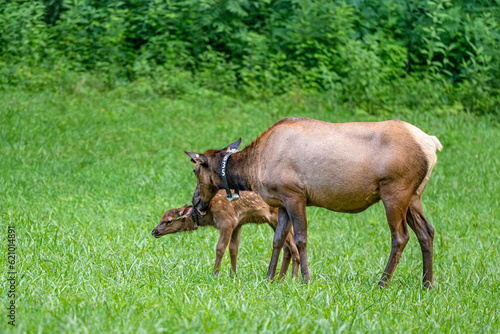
pixel 225 235
pixel 287 257
pixel 396 213
pixel 234 245
pixel 282 229
pixel 295 254
pixel 290 252
pixel 425 234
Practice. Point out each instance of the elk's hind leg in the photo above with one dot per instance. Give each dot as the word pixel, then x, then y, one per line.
pixel 425 235
pixel 396 205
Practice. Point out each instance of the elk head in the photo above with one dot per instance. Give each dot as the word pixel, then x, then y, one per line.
pixel 208 174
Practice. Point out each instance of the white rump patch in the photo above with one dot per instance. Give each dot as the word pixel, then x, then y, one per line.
pixel 429 145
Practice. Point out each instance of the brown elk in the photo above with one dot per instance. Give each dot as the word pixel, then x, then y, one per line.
pixel 344 167
pixel 228 218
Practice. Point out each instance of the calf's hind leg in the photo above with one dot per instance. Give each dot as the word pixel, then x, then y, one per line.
pixel 425 235
pixel 294 254
pixel 287 257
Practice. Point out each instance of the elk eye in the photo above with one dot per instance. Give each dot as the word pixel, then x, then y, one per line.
pixel 169 222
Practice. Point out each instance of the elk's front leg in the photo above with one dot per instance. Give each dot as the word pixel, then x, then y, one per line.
pixel 224 237
pixel 296 209
pixel 282 229
pixel 233 247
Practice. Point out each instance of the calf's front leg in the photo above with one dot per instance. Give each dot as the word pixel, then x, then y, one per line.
pixel 233 248
pixel 224 237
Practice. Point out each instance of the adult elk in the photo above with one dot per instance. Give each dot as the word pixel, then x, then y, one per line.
pixel 344 167
pixel 228 218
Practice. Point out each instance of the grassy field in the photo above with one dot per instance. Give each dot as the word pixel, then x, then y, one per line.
pixel 85 177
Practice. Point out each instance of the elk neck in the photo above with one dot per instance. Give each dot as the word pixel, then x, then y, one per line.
pixel 240 170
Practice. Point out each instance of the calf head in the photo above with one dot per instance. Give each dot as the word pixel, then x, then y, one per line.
pixel 208 174
pixel 175 220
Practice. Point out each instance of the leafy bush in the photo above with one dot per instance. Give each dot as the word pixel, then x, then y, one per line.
pixel 360 52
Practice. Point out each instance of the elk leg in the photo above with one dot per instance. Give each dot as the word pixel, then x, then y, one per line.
pixel 296 209
pixel 234 245
pixel 282 229
pixel 225 235
pixel 396 214
pixel 425 234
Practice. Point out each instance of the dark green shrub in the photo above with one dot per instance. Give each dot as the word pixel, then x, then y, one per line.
pixel 357 52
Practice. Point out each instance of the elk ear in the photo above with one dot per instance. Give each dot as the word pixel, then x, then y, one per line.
pixel 233 146
pixel 197 158
pixel 185 211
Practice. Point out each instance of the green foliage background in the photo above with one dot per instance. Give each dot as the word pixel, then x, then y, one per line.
pixel 369 54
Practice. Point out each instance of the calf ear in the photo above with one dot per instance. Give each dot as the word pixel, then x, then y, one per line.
pixel 233 146
pixel 197 158
pixel 185 211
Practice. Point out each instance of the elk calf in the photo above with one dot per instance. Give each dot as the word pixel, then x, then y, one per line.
pixel 228 218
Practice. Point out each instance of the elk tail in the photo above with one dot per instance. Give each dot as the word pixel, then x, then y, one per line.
pixel 437 143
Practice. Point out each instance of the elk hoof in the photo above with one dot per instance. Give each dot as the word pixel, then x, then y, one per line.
pixel 428 285
pixel 383 285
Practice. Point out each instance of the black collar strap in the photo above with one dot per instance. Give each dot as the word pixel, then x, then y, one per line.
pixel 223 173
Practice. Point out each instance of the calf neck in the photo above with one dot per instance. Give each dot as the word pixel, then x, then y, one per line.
pixel 345 167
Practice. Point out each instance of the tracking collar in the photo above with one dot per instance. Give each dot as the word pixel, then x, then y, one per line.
pixel 236 195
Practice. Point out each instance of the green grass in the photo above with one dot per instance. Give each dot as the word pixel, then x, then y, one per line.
pixel 85 177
